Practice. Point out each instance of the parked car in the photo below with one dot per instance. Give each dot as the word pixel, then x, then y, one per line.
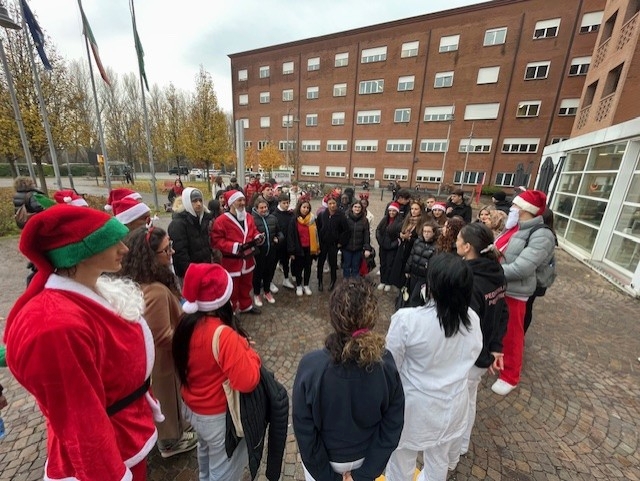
pixel 184 170
pixel 197 172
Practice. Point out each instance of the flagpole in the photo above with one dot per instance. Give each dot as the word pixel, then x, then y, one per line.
pixel 152 168
pixel 43 109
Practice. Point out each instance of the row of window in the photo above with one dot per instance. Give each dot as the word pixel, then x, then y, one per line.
pixel 494 36
pixel 486 75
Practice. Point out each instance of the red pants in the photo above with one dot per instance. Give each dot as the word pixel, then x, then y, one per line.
pixel 241 295
pixel 513 341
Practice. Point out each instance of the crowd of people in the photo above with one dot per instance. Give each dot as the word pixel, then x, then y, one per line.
pixel 150 350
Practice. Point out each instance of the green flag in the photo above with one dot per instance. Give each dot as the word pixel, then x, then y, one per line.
pixel 139 50
pixel 86 30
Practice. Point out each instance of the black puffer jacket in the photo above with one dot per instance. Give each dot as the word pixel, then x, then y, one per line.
pixel 268 225
pixel 190 238
pixel 389 234
pixel 359 237
pixel 418 260
pixel 332 229
pixel 461 210
pixel 32 205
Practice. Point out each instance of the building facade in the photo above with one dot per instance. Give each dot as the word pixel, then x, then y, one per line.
pixel 465 96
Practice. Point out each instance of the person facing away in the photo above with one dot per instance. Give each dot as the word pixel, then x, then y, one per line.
pixel 25 188
pixel 348 402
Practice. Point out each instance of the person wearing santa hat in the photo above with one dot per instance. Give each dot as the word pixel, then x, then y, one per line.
pixel 69 197
pixel 76 340
pixel 131 213
pixel 235 234
pixel 209 321
pixel 388 236
pixel 119 194
pixel 525 247
pixel 438 212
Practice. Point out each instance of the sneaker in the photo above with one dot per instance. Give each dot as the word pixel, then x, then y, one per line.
pixel 378 273
pixel 387 288
pixel 269 298
pixel 288 284
pixel 187 442
pixel 381 286
pixel 273 288
pixel 299 291
pixel 307 291
pixel 502 387
pixel 257 301
pixel 326 269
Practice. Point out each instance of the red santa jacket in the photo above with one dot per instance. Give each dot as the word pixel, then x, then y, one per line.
pixel 227 236
pixel 251 189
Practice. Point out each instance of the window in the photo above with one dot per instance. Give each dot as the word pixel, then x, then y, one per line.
pixel 402 116
pixel 364 173
pixel 247 144
pixel 335 171
pixel 287 120
pixel 520 146
pixel 264 71
pixel 265 122
pixel 364 117
pixel 469 177
pixel 377 54
pixel 243 99
pixel 336 145
pixel 287 68
pixel 341 59
pixel 480 146
pixel 337 118
pixel 243 75
pixel 613 78
pixel 449 43
pixel 406 83
pixel 282 145
pixel 395 174
pixel 537 70
pixel 310 146
pixel 399 145
pixel 579 66
pixel 433 145
pixel 495 36
pixel 591 22
pixel 245 123
pixel 568 107
pixel 287 95
pixel 366 146
pixel 546 28
pixel 443 79
pixel 424 175
pixel 265 97
pixel 505 179
pixel 609 25
pixel 310 170
pixel 488 75
pixel 409 49
pixel 340 90
pixel 371 87
pixel 311 120
pixel 262 144
pixel 313 92
pixel 590 94
pixel 481 111
pixel 556 140
pixel 438 114
pixel 313 64
pixel 529 108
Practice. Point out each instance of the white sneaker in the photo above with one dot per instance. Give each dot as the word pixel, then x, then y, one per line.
pixel 387 288
pixel 269 298
pixel 299 291
pixel 273 288
pixel 381 286
pixel 502 387
pixel 307 291
pixel 378 273
pixel 257 301
pixel 326 269
pixel 288 284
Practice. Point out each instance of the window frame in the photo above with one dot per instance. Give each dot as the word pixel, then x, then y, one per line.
pixel 288 67
pixel 265 99
pixel 402 115
pixel 313 66
pixel 337 119
pixel 548 28
pixel 449 47
pixel 309 120
pixel 313 90
pixel 441 77
pixel 375 86
pixel 527 105
pixel 341 59
pixel 399 146
pixel 407 82
pixel 243 99
pixel 286 93
pixel 368 117
pixel 373 54
pixel 437 145
pixel 492 37
pixel 410 49
pixel 241 77
pixel 265 122
pixel 546 64
pixel 341 90
pixel 264 71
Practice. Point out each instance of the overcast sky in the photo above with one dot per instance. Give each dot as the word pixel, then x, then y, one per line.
pixel 180 35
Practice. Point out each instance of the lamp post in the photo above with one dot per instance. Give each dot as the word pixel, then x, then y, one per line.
pixel 466 157
pixel 444 156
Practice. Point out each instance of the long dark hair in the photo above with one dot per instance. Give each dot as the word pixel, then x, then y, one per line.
pixel 480 237
pixel 141 262
pixel 450 281
pixel 447 240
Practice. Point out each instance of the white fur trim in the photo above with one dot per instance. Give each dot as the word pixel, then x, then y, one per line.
pixel 140 455
pixel 135 195
pixel 190 307
pixel 526 206
pixel 133 213
pixel 79 202
pixel 206 306
pixel 128 476
pixel 234 197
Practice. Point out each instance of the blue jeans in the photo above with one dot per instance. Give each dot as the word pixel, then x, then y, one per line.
pixel 213 463
pixel 351 263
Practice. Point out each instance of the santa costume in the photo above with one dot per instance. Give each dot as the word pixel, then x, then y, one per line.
pixel 228 236
pixel 85 354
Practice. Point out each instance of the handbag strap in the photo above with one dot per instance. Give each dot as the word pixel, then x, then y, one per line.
pixel 215 342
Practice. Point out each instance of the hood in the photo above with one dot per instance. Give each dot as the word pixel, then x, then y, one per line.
pixel 488 269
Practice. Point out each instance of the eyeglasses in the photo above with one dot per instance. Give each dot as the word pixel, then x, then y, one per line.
pixel 167 250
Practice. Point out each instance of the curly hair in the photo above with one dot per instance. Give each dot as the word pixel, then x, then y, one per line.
pixel 447 239
pixel 141 263
pixel 353 307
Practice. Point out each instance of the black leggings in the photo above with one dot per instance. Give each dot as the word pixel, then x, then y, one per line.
pixel 263 273
pixel 302 265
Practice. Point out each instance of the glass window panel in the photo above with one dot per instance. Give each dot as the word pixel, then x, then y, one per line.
pixel 598 185
pixel 624 252
pixel 560 225
pixel 569 183
pixel 576 161
pixel 607 157
pixel 589 210
pixel 581 235
pixel 634 190
pixel 563 204
pixel 629 221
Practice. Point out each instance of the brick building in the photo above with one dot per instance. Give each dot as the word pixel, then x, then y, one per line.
pixel 444 98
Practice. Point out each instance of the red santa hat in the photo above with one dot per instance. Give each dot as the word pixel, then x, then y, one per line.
pixel 119 194
pixel 439 206
pixel 394 206
pixel 127 210
pixel 206 287
pixel 532 201
pixel 69 197
pixel 231 196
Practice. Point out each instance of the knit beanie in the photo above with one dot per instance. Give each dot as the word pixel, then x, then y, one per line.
pixel 69 197
pixel 206 287
pixel 532 201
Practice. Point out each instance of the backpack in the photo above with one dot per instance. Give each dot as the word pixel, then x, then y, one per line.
pixel 546 273
pixel 22 215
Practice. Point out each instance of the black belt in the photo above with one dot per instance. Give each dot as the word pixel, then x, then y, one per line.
pixel 125 401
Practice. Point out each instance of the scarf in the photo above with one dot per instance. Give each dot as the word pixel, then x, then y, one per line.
pixel 502 240
pixel 310 222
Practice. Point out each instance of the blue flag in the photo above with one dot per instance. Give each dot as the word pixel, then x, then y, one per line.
pixel 36 34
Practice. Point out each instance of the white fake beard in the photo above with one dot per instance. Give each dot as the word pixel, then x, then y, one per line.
pixel 241 214
pixel 124 295
pixel 512 218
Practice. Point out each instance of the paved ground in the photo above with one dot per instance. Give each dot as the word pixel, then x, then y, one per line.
pixel 575 416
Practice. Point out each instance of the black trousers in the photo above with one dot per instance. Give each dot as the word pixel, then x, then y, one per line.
pixel 263 273
pixel 283 258
pixel 301 267
pixel 330 253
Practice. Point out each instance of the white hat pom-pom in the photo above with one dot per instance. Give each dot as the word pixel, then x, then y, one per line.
pixel 190 307
pixel 67 199
pixel 108 208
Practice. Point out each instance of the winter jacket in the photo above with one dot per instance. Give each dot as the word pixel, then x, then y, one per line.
pixel 389 234
pixel 294 246
pixel 462 210
pixel 284 219
pixel 487 299
pixel 20 196
pixel 190 236
pixel 268 225
pixel 332 229
pixel 524 254
pixel 359 237
pixel 418 260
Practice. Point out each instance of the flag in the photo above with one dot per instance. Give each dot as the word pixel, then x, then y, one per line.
pixel 86 30
pixel 139 50
pixel 36 34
